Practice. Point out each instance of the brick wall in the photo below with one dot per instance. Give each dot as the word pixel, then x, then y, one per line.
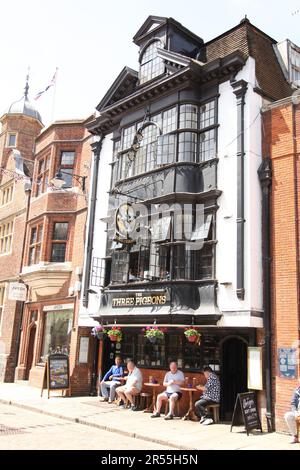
pixel 284 151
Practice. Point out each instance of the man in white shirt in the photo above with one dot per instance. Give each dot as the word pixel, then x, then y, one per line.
pixel 133 386
pixel 173 380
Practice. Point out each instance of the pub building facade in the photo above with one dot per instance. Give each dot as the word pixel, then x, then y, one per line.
pixel 182 131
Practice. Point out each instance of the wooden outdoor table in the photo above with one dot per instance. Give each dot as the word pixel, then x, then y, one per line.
pixel 190 413
pixel 151 408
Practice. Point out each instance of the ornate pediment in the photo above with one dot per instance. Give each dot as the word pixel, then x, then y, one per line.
pixel 151 23
pixel 123 86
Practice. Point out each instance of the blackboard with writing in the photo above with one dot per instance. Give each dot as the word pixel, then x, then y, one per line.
pixel 246 404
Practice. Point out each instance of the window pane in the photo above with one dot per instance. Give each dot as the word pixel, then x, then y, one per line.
pixel 166 149
pixel 33 235
pixel 207 114
pixel 12 140
pixel 67 174
pixel 120 266
pixel 151 65
pixel 67 158
pixel 207 145
pixel 188 116
pixel 60 231
pixel 187 147
pixel 58 252
pixel 170 120
pixel 57 333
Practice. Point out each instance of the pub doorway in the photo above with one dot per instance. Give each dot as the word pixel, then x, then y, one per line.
pixel 30 354
pixel 233 373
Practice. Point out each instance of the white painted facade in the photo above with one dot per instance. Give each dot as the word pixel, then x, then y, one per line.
pixel 99 241
pixel 237 312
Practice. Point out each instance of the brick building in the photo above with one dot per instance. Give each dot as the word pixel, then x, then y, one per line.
pixel 21 124
pixel 44 176
pixel 281 150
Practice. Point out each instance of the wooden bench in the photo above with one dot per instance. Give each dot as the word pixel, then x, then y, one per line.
pixel 215 409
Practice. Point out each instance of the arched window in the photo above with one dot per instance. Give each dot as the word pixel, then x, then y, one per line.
pixel 151 65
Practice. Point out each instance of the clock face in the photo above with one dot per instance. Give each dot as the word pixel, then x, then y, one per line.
pixel 125 219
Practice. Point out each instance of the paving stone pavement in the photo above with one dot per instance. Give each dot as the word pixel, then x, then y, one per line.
pixel 104 419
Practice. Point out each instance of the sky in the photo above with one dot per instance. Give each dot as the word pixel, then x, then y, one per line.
pixel 90 42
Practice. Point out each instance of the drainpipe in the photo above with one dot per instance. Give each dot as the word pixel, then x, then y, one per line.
pixel 96 148
pixel 296 205
pixel 240 89
pixel 22 304
pixel 265 177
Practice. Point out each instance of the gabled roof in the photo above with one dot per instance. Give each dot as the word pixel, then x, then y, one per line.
pixel 123 85
pixel 155 22
pixel 151 23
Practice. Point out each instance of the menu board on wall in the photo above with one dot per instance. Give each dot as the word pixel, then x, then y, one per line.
pixel 254 367
pixel 287 360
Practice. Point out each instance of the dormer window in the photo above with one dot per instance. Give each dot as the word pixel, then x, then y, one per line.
pixel 151 65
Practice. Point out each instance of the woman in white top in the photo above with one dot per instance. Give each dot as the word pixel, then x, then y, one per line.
pixel 172 381
pixel 133 386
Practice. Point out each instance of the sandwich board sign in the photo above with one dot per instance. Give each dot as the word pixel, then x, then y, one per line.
pixel 246 404
pixel 57 374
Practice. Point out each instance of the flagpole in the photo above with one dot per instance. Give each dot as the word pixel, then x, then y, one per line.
pixel 54 96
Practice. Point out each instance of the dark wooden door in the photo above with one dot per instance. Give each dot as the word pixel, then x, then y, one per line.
pixel 233 374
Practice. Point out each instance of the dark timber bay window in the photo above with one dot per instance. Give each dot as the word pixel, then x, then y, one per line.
pixel 59 242
pixel 35 244
pixel 183 133
pixel 67 161
pixel 181 247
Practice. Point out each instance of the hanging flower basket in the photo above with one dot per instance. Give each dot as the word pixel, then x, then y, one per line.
pixel 154 334
pixel 192 335
pixel 115 334
pixel 99 332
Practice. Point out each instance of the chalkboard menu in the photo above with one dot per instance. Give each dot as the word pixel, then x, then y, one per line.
pixel 246 404
pixel 57 373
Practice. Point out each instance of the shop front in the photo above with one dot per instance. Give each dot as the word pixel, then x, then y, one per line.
pixel 223 349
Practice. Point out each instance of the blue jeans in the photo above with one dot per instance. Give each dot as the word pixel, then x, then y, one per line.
pixel 109 386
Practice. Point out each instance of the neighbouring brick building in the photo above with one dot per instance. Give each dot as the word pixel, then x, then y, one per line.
pixel 21 124
pixel 42 235
pixel 281 150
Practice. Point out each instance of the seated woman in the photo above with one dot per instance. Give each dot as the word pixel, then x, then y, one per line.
pixel 172 381
pixel 110 382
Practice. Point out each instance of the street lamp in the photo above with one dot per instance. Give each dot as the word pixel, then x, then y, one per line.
pixel 58 180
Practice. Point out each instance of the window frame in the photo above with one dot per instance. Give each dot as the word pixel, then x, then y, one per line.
pixel 66 167
pixel 7 192
pixel 35 246
pixel 6 236
pixel 9 135
pixel 42 175
pixel 58 241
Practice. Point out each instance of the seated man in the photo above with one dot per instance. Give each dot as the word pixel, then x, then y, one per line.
pixel 133 386
pixel 110 380
pixel 211 396
pixel 290 416
pixel 173 381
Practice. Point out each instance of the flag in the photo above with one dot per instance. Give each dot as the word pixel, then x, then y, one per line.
pixel 47 87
